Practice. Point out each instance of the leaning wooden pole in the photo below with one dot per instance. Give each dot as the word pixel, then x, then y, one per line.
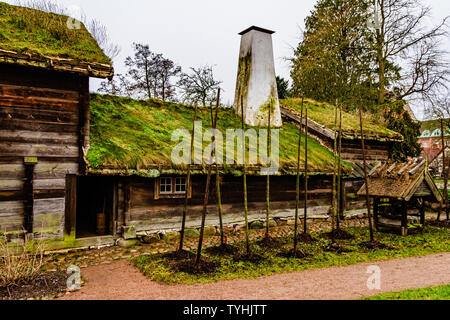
pixel 297 190
pixel 339 177
pixel 444 169
pixel 205 200
pixel 335 172
pixel 268 176
pixel 305 225
pixel 188 181
pixel 366 180
pixel 219 194
pixel 244 169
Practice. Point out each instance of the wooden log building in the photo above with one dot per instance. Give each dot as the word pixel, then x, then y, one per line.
pixel 81 169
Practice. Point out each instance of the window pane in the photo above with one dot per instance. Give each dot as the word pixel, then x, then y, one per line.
pixel 165 185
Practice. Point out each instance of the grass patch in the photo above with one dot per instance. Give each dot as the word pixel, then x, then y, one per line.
pixel 323 113
pixel 433 240
pixel 134 134
pixel 432 293
pixel 36 32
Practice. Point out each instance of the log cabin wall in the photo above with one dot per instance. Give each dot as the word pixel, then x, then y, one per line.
pixel 375 150
pixel 138 206
pixel 43 114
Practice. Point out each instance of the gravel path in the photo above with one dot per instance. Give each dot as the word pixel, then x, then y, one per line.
pixel 121 281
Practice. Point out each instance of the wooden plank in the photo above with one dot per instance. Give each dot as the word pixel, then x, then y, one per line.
pixel 14 171
pixel 42 137
pixel 33 125
pixel 11 208
pixel 50 184
pixel 49 170
pixel 7 113
pixel 11 185
pixel 37 150
pixel 38 103
pixel 27 91
pixel 47 206
pixel 28 185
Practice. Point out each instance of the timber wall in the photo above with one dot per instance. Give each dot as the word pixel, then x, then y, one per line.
pixel 40 116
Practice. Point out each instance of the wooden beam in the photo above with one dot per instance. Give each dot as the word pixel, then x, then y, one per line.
pixel 29 197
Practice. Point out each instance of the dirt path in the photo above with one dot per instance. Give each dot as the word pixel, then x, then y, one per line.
pixel 121 280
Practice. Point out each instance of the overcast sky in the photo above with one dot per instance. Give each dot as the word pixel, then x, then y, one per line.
pixel 199 32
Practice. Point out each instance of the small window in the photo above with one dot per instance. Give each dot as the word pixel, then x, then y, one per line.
pixel 180 185
pixel 165 186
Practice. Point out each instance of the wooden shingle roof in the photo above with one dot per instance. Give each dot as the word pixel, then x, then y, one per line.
pixel 400 181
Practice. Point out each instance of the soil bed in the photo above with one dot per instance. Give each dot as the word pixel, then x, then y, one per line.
pixel 298 254
pixel 271 243
pixel 249 257
pixel 334 247
pixel 339 235
pixel 374 245
pixel 45 285
pixel 179 255
pixel 189 266
pixel 223 249
pixel 306 238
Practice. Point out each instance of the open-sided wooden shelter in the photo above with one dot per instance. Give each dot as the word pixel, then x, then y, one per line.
pixel 399 192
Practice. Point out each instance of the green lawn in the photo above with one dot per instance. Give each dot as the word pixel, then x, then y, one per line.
pixel 432 293
pixel 433 240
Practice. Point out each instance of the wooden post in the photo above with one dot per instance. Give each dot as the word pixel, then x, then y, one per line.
pixel 305 227
pixel 366 180
pixel 297 190
pixel 29 197
pixel 444 169
pixel 188 182
pixel 247 236
pixel 219 195
pixel 70 207
pixel 268 175
pixel 376 205
pixel 422 212
pixel 206 198
pixel 127 203
pixel 404 219
pixel 339 179
pixel 84 123
pixel 335 172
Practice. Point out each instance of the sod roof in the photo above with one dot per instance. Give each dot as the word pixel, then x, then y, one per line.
pixel 134 137
pixel 36 38
pixel 324 115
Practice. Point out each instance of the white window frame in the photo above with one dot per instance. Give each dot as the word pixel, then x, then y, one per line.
pixel 166 179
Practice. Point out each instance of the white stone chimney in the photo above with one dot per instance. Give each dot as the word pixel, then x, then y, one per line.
pixel 256 79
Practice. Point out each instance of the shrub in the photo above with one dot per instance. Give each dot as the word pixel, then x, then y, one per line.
pixel 19 264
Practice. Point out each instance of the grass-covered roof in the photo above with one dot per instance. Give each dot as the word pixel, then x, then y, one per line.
pixel 131 136
pixel 37 38
pixel 324 115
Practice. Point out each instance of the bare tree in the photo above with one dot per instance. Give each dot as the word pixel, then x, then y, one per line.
pixel 402 38
pixel 151 73
pixel 199 85
pixel 118 86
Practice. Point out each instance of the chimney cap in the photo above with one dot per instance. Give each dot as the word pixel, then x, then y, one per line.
pixel 257 29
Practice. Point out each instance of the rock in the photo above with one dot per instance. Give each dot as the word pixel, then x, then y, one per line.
pixel 151 238
pixel 281 222
pixel 257 225
pixel 126 243
pixel 129 232
pixel 210 231
pixel 191 232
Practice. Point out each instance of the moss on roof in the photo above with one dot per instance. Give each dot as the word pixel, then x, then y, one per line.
pixel 35 32
pixel 324 114
pixel 132 134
